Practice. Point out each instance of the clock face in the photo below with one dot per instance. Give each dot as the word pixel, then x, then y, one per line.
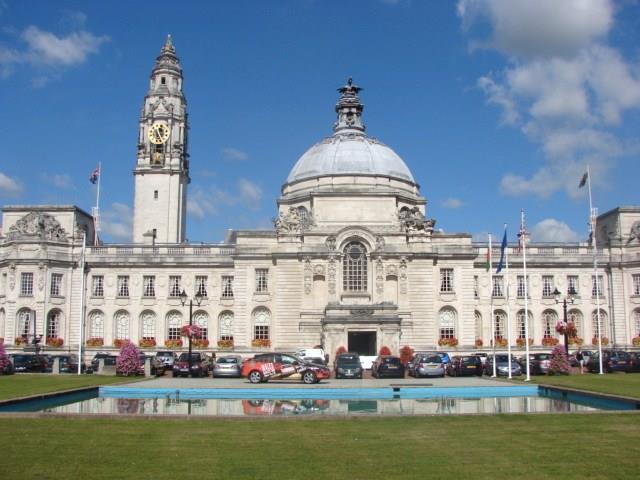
pixel 159 133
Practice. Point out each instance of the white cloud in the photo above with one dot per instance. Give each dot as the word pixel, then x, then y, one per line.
pixel 45 50
pixel 562 87
pixel 538 28
pixel 207 202
pixel 9 186
pixel 59 180
pixel 552 230
pixel 117 222
pixel 250 193
pixel 452 203
pixel 233 154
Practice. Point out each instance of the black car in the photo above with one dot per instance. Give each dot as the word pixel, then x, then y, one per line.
pixel 347 365
pixel 612 361
pixel 6 368
pixel 68 363
pixel 464 366
pixel 23 363
pixel 387 366
pixel 200 365
pixel 109 361
pixel 634 357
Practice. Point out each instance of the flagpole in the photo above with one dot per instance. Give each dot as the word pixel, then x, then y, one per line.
pixel 82 294
pixel 523 243
pixel 506 256
pixel 96 224
pixel 592 220
pixel 493 323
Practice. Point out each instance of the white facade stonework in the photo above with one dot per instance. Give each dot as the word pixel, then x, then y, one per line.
pixel 352 261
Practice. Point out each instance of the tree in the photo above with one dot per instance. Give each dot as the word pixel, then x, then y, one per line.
pixel 384 350
pixel 406 353
pixel 559 363
pixel 128 363
pixel 4 358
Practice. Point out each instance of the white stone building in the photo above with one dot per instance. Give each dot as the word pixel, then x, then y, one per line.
pixel 352 261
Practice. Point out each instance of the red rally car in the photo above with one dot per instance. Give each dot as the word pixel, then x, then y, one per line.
pixel 267 366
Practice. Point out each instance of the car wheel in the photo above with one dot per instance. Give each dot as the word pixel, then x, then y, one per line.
pixel 255 376
pixel 309 377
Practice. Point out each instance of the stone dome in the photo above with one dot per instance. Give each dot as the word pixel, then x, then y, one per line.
pixel 349 151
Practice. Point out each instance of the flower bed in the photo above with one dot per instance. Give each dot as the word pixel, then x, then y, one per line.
pixel 200 343
pixel 448 342
pixel 500 342
pixel 225 343
pixel 521 343
pixel 549 341
pixel 478 343
pixel 147 342
pixel 604 340
pixel 260 342
pixel 54 342
pixel 95 342
pixel 20 341
pixel 384 350
pixel 120 342
pixel 176 343
pixel 636 341
pixel 406 353
pixel 576 341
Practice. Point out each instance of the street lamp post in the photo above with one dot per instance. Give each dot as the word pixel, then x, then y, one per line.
pixel 571 293
pixel 183 300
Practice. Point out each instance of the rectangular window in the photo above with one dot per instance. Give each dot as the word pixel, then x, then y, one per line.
pixel 97 288
pixel 522 286
pixel 149 286
pixel 56 284
pixel 446 280
pixel 174 286
pixel 201 285
pixel 123 285
pixel 498 287
pixel 476 288
pixel 155 194
pixel 636 283
pixel 3 284
pixel 227 286
pixel 26 284
pixel 547 286
pixel 596 286
pixel 261 280
pixel 572 284
pixel 261 332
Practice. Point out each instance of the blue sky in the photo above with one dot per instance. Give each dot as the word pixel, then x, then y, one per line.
pixel 495 105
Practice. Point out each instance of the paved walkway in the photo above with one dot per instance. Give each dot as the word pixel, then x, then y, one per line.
pixel 367 382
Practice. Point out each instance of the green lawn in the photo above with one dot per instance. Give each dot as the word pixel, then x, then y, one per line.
pixel 567 446
pixel 23 385
pixel 626 384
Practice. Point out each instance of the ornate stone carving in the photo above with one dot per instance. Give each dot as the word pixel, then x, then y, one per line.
pixel 308 275
pixel 12 276
pixel 361 312
pixel 42 274
pixel 318 270
pixel 392 270
pixel 380 243
pixel 379 276
pixel 293 222
pixel 332 275
pixel 413 220
pixel 634 233
pixel 330 242
pixel 37 225
pixel 403 275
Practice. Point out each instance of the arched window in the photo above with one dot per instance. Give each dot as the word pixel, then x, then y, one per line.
pixel 603 322
pixel 478 324
pixel 447 323
pixel 636 321
pixel 354 268
pixel 521 324
pixel 148 324
pixel 53 323
pixel 499 322
pixel 23 323
pixel 575 316
pixel 549 320
pixel 201 319
pixel 121 321
pixel 96 324
pixel 174 325
pixel 303 213
pixel 225 325
pixel 261 323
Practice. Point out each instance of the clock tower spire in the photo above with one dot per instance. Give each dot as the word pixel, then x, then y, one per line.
pixel 162 166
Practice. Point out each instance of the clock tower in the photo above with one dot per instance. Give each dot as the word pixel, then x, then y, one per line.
pixel 162 166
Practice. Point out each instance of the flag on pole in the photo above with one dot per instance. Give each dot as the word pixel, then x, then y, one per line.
pixel 503 249
pixel 583 181
pixel 93 178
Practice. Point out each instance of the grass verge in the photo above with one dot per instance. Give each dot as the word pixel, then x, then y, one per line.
pixel 626 384
pixel 24 385
pixel 480 447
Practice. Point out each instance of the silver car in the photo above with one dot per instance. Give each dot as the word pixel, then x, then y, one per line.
pixel 227 366
pixel 428 365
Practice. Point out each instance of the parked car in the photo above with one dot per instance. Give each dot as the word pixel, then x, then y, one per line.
pixel 612 361
pixel 387 366
pixel 538 363
pixel 464 366
pixel 7 368
pixel 312 353
pixel 347 365
pixel 428 365
pixel 268 366
pixel 167 358
pixel 200 365
pixel 586 354
pixel 68 363
pixel 445 357
pixel 502 366
pixel 227 366
pixel 482 355
pixel 157 367
pixel 26 363
pixel 316 360
pixel 109 361
pixel 634 357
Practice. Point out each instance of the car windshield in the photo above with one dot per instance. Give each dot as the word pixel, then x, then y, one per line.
pixel 503 358
pixel 469 359
pixel 348 360
pixel 227 360
pixel 432 359
pixel 21 358
pixel 184 357
pixel 543 356
pixel 393 360
pixel 164 354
